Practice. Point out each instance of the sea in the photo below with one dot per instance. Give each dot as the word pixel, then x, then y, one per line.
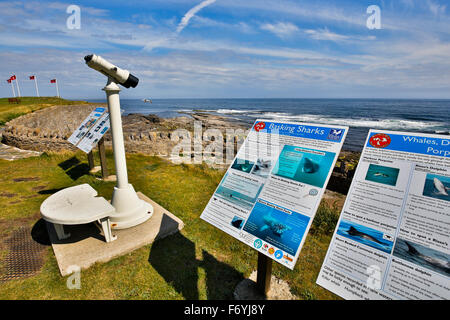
pixel 427 116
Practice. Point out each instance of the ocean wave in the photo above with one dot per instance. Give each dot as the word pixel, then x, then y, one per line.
pixel 234 111
pixel 392 124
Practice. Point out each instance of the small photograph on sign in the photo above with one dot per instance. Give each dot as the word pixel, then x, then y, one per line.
pixel 420 255
pixel 277 226
pixel 240 190
pixel 242 165
pixel 437 186
pixel 262 167
pixel 237 222
pixel 304 165
pixel 382 174
pixel 365 235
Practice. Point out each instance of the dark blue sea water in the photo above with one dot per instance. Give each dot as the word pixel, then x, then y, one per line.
pixel 430 116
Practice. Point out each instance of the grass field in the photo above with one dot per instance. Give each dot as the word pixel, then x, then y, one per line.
pixel 29 104
pixel 200 262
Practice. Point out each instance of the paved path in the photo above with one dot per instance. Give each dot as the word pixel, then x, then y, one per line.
pixel 13 153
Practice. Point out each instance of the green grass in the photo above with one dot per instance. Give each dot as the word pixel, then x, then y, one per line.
pixel 29 104
pixel 200 262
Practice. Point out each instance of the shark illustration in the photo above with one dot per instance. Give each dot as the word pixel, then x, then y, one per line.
pixel 353 232
pixel 438 263
pixel 237 223
pixel 441 189
pixel 309 166
pixel 262 165
pixel 277 227
pixel 379 174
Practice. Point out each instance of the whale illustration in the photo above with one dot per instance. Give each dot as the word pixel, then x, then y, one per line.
pixel 309 166
pixel 438 263
pixel 441 189
pixel 277 227
pixel 353 232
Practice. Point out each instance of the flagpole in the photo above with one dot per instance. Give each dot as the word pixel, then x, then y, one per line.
pixel 17 84
pixel 35 82
pixel 12 87
pixel 57 90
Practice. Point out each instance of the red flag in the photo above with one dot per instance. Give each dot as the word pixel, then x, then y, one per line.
pixel 31 77
pixel 53 81
pixel 13 77
pixel 9 80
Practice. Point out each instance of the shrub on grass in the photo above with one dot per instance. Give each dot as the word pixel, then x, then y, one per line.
pixel 325 220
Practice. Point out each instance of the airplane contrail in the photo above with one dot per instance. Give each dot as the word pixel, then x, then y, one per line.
pixel 192 12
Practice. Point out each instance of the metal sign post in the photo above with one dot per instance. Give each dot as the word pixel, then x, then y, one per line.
pixel 91 163
pixel 263 273
pixel 102 156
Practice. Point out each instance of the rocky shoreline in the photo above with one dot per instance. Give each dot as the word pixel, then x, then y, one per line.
pixel 47 130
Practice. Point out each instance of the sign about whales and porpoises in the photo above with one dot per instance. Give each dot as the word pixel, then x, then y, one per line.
pixel 392 240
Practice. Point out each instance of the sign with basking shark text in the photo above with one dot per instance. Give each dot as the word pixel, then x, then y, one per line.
pixel 392 240
pixel 269 195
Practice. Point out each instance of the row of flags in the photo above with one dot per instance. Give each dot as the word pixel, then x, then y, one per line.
pixel 34 77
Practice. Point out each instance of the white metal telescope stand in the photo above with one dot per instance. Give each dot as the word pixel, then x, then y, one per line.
pixel 80 204
pixel 129 209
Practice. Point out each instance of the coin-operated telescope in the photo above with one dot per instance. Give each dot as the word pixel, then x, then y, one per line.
pixel 129 209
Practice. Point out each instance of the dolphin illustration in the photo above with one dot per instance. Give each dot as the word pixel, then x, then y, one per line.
pixel 274 225
pixel 438 263
pixel 353 232
pixel 309 166
pixel 441 189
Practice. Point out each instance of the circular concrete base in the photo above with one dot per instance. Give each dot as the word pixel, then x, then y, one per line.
pixel 108 178
pixel 247 290
pixel 95 169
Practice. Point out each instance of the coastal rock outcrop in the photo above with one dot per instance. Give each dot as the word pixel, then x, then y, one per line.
pixel 48 130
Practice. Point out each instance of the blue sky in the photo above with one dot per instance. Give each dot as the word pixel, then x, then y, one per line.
pixel 232 48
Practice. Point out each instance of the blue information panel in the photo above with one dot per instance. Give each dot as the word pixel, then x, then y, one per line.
pixel 269 195
pixel 392 238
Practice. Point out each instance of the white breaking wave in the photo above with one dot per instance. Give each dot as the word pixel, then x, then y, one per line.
pixel 233 111
pixel 393 124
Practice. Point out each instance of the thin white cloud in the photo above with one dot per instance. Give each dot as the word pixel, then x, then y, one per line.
pixel 281 29
pixel 191 13
pixel 325 34
pixel 436 8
